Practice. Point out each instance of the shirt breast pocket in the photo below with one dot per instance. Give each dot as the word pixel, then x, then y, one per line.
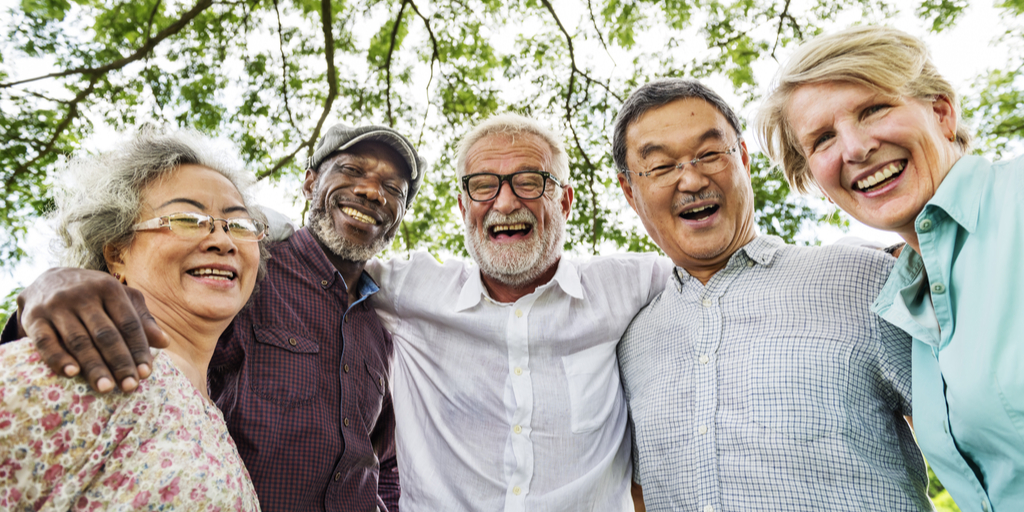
pixel 283 367
pixel 592 376
pixel 797 383
pixel 375 388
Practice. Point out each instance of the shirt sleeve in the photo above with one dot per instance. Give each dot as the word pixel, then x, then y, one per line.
pixel 895 363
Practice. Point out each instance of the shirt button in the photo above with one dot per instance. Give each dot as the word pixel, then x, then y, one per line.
pixel 346 319
pixel 323 283
pixel 516 490
pixel 517 429
pixel 750 263
pixel 938 288
pixel 519 371
pixel 703 429
pixel 925 225
pixel 709 508
pixel 945 427
pixel 346 368
pixel 337 476
pixel 984 505
pixel 345 422
pixel 704 359
pixel 381 381
pixel 292 342
pixel 706 303
pixel 519 313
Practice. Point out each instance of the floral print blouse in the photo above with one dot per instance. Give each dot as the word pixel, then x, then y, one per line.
pixel 64 447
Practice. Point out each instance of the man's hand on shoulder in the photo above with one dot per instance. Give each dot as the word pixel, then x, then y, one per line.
pixel 85 320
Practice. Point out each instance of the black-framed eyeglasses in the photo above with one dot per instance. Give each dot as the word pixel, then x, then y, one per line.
pixel 708 163
pixel 195 225
pixel 485 186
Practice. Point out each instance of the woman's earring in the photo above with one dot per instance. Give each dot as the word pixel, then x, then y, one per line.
pixel 118 277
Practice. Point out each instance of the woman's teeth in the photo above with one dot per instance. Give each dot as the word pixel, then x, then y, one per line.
pixel 212 273
pixel 357 215
pixel 893 169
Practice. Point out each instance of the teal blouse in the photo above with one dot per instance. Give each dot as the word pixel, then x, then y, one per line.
pixel 962 300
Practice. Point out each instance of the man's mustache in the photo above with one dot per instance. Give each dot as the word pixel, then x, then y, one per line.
pixel 689 199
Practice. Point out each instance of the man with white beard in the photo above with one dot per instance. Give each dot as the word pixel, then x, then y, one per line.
pixel 506 386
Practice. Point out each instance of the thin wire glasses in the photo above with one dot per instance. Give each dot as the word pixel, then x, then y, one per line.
pixel 486 186
pixel 708 163
pixel 195 225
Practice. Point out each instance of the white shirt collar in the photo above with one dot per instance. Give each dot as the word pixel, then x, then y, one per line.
pixel 567 277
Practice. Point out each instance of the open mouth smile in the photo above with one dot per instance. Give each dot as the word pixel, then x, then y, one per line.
pixel 510 230
pixel 700 212
pixel 358 215
pixel 213 273
pixel 881 178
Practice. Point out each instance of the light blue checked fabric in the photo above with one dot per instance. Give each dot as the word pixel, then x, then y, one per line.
pixel 774 387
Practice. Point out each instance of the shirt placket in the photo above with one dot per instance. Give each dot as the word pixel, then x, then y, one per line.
pixel 934 229
pixel 518 342
pixel 709 339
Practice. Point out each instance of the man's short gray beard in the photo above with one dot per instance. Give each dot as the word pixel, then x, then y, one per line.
pixel 519 264
pixel 321 224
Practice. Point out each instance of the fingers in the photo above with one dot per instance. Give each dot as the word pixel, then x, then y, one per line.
pixel 87 321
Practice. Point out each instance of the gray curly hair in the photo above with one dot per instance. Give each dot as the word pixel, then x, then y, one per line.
pixel 99 198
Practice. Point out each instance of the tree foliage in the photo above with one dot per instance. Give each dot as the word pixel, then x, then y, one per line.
pixel 272 74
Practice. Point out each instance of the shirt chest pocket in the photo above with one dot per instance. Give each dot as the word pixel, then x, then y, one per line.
pixel 283 366
pixel 796 385
pixel 595 394
pixel 375 386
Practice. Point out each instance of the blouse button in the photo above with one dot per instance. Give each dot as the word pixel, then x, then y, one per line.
pixel 925 225
pixel 938 288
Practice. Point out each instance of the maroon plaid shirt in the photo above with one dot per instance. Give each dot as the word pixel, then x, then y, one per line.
pixel 302 377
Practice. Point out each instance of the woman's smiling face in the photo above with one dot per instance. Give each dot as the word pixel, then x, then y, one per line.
pixel 879 158
pixel 209 277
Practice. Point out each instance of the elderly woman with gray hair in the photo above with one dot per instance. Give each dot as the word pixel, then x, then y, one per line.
pixel 864 116
pixel 168 215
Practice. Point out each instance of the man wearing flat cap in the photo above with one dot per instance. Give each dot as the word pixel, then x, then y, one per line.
pixel 302 374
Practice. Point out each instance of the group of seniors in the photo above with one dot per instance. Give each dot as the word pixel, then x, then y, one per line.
pixel 738 373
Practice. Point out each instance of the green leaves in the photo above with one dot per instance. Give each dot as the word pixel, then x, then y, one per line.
pixel 266 74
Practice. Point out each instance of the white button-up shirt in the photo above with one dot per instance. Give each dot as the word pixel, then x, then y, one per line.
pixel 515 406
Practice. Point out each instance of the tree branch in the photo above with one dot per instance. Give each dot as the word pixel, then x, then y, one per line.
pixel 778 34
pixel 387 62
pixel 174 28
pixel 332 91
pixel 434 57
pixel 284 70
pixel 152 15
pixel 600 37
pixel 63 125
pixel 572 53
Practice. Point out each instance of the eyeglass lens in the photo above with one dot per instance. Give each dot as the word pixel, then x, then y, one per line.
pixel 192 225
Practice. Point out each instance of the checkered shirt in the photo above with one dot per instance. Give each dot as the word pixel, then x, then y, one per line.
pixel 303 378
pixel 773 387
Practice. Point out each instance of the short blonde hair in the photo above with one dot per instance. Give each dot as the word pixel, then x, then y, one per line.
pixel 884 59
pixel 512 125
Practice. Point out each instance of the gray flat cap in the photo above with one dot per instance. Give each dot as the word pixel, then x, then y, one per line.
pixel 341 137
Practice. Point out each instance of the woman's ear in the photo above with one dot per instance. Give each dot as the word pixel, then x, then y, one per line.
pixel 115 262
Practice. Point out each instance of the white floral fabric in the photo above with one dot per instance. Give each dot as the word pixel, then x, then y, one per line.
pixel 64 447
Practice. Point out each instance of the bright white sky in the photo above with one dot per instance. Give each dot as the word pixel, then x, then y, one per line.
pixel 961 53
